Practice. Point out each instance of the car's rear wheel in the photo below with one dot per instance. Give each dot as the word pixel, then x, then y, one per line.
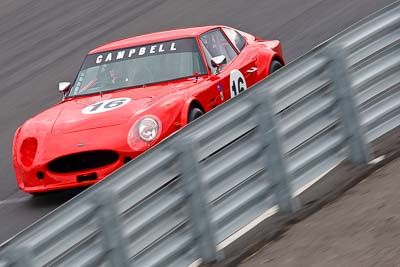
pixel 194 113
pixel 275 65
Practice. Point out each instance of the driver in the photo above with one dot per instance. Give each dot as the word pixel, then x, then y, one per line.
pixel 110 76
pixel 116 75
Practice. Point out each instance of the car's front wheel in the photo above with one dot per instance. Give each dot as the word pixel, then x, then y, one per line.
pixel 194 113
pixel 275 65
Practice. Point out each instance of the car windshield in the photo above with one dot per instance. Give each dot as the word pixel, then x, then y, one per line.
pixel 138 66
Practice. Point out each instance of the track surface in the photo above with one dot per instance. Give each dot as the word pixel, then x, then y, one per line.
pixel 360 229
pixel 43 42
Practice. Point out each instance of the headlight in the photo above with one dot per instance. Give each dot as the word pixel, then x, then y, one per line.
pixel 144 133
pixel 148 129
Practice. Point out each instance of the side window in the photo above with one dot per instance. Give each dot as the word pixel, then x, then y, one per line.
pixel 215 44
pixel 236 38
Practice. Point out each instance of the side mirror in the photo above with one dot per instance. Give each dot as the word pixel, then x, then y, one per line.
pixel 218 62
pixel 63 87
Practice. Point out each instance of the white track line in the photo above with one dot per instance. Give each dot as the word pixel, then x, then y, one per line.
pixel 15 200
pixel 248 227
pixel 377 160
pixel 196 263
pixel 313 181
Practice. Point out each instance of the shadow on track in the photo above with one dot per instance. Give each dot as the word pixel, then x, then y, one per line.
pixel 54 198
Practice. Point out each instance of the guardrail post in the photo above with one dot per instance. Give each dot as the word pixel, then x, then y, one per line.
pixel 19 256
pixel 110 226
pixel 197 194
pixel 347 106
pixel 273 155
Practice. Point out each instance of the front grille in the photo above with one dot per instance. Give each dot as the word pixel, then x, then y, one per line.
pixel 83 161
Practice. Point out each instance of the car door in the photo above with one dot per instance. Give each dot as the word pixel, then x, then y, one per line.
pixel 230 79
pixel 247 57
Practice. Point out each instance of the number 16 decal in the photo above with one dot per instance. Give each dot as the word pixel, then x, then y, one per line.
pixel 237 83
pixel 106 105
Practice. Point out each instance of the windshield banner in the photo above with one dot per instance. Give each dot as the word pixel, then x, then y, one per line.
pixel 168 47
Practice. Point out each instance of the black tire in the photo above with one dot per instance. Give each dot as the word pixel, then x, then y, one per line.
pixel 275 65
pixel 194 113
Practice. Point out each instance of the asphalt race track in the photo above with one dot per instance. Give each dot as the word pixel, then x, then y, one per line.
pixel 43 42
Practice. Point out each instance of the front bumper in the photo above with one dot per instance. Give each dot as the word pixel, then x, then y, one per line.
pixel 29 181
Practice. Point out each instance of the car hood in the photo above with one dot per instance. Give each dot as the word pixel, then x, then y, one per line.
pixel 97 111
pixel 112 108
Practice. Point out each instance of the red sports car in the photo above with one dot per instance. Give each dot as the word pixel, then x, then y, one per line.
pixel 132 93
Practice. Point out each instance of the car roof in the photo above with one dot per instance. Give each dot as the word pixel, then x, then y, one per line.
pixel 153 38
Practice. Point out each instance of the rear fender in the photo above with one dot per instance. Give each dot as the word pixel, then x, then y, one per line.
pixel 273 51
pixel 276 46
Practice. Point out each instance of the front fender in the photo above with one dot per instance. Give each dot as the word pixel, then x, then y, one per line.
pixel 185 109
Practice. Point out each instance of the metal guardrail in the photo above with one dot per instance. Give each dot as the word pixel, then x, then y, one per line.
pixel 182 200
